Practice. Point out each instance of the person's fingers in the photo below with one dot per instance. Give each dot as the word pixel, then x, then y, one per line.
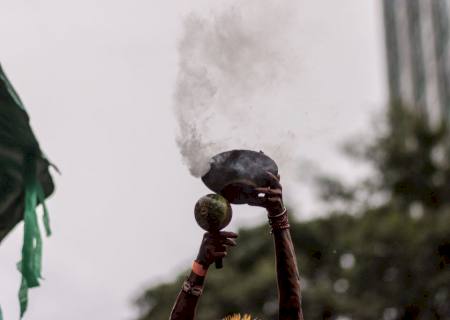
pixel 274 199
pixel 210 247
pixel 228 234
pixel 219 254
pixel 276 177
pixel 229 242
pixel 218 236
pixel 268 190
pixel 257 198
pixel 256 204
pixel 273 180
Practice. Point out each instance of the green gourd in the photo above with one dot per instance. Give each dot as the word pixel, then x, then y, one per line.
pixel 213 213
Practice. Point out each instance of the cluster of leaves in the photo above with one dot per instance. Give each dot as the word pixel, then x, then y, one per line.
pixel 389 261
pixel 381 264
pixel 410 158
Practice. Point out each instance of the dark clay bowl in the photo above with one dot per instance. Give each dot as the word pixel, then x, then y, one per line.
pixel 234 174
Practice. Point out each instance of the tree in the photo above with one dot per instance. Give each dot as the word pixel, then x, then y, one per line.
pixel 388 261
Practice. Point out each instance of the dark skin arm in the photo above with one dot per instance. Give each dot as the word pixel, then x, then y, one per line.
pixel 185 305
pixel 288 278
pixel 211 248
pixel 287 272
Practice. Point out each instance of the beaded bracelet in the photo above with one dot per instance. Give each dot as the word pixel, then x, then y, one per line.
pixel 189 288
pixel 279 221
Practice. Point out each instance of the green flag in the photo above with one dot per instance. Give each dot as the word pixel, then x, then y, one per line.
pixel 25 182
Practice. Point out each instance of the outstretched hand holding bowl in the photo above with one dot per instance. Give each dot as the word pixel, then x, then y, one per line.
pixel 269 197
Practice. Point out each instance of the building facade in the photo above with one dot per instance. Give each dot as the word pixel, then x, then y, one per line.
pixel 417 36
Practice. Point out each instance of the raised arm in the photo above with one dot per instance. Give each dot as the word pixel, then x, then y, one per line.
pixel 212 247
pixel 287 272
pixel 286 263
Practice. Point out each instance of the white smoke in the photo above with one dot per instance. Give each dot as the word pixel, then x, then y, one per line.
pixel 234 68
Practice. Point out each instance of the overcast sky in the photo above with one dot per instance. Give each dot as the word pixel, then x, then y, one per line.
pixel 98 79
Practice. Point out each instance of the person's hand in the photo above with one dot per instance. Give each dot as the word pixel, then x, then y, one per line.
pixel 215 246
pixel 270 197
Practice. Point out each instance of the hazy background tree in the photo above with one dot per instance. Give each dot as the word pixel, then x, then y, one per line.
pixel 384 252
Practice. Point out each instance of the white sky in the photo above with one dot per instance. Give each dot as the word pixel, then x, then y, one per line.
pixel 97 78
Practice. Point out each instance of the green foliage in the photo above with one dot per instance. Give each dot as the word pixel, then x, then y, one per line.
pixel 386 261
pixel 366 267
pixel 412 157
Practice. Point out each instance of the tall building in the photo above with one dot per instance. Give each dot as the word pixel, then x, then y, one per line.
pixel 417 35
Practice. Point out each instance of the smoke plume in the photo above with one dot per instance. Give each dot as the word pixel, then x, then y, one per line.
pixel 234 68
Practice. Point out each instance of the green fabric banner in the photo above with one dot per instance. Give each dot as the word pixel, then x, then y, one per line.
pixel 25 182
